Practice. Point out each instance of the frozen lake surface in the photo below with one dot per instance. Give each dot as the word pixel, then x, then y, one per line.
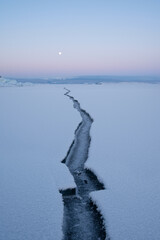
pixel 37 126
pixel 125 154
pixel 36 129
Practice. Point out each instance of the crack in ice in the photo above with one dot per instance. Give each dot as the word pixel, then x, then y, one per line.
pixel 82 220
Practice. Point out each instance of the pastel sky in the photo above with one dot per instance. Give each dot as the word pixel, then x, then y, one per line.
pixel 101 37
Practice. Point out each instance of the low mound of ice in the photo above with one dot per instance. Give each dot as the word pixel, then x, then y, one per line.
pixel 4 82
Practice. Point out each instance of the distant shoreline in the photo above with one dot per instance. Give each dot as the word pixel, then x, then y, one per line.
pixel 90 80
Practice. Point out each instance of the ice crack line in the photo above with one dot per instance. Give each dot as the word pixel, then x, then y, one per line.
pixel 81 220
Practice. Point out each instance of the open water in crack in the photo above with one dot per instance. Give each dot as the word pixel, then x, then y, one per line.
pixel 81 219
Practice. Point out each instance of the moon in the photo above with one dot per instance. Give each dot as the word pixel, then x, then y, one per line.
pixel 60 53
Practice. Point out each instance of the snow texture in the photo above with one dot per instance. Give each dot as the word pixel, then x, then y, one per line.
pixel 37 125
pixel 125 154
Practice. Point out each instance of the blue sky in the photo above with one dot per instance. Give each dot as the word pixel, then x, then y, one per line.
pixel 95 37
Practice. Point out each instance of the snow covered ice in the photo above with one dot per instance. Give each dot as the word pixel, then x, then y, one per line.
pixel 37 125
pixel 125 154
pixel 36 129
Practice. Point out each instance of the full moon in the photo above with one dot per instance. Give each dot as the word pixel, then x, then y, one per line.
pixel 60 53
